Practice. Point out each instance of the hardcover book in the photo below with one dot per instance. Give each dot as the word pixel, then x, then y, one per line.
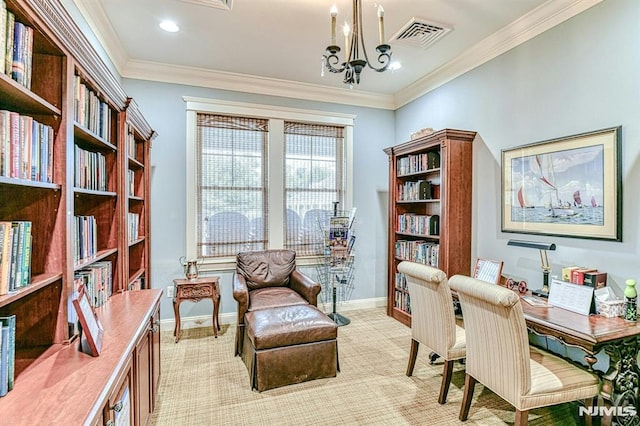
pixel 9 322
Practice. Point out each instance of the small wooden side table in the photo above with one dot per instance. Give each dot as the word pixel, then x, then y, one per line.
pixel 196 290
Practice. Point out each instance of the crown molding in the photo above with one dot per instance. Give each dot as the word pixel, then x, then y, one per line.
pixel 97 20
pixel 539 20
pixel 201 77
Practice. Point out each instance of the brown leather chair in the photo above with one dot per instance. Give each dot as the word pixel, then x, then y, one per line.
pixel 282 336
pixel 266 279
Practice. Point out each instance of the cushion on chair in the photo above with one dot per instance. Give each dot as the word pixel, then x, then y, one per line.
pixel 268 268
pixel 273 297
pixel 554 380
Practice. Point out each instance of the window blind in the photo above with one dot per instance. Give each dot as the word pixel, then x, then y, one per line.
pixel 232 184
pixel 314 180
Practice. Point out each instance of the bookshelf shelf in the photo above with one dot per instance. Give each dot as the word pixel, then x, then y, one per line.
pixel 37 282
pixel 135 164
pixel 79 192
pixel 420 173
pixel 29 183
pixel 442 163
pixel 88 139
pixel 20 99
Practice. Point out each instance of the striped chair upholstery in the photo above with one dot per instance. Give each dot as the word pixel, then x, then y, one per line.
pixel 433 321
pixel 499 355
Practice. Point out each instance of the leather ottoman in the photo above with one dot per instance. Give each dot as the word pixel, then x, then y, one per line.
pixel 289 344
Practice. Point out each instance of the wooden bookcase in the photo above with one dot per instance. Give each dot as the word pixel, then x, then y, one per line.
pixel 92 169
pixel 429 209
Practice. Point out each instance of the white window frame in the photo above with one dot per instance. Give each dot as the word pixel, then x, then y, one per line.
pixel 275 163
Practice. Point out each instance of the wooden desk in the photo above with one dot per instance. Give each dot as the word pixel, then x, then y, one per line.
pixel 620 339
pixel 194 291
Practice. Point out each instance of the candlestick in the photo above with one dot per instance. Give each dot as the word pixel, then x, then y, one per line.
pixel 381 24
pixel 346 31
pixel 334 14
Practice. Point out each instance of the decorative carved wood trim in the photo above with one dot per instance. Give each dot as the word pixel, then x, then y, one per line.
pixel 56 17
pixel 137 119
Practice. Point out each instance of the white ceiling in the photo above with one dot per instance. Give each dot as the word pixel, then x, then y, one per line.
pixel 282 42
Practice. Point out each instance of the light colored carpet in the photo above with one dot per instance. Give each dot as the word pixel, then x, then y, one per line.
pixel 202 383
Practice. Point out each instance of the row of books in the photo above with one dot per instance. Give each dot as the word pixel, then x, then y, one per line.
pixel 131 175
pixel 418 190
pixel 16 47
pixel 133 225
pixel 90 170
pixel 584 276
pixel 411 223
pixel 26 147
pixel 15 255
pixel 89 111
pixel 97 282
pixel 130 142
pixel 85 244
pixel 424 252
pixel 7 353
pixel 402 301
pixel 415 163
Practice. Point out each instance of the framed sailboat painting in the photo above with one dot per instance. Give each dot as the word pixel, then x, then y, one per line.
pixel 568 187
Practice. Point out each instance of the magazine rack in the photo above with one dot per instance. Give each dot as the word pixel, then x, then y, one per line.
pixel 335 270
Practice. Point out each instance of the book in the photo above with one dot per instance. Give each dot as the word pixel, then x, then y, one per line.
pixel 4 361
pixel 595 279
pixel 3 35
pixel 9 322
pixel 6 239
pixel 9 42
pixel 424 191
pixel 26 255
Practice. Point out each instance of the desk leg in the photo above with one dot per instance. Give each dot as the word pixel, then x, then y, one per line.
pixel 176 312
pixel 620 384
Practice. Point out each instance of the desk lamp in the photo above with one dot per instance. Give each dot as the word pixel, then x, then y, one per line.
pixel 544 262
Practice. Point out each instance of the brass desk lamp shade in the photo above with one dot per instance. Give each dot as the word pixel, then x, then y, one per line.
pixel 544 262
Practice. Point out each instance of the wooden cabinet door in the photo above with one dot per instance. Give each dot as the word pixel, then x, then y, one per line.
pixel 155 356
pixel 143 380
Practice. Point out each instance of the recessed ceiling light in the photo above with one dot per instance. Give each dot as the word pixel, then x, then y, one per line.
pixel 169 26
pixel 395 65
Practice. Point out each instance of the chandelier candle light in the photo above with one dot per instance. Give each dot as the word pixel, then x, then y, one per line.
pixel 353 44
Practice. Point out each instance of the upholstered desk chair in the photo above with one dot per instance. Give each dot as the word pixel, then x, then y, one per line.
pixel 499 355
pixel 433 322
pixel 266 279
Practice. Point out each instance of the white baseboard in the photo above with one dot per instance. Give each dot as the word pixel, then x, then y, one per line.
pixel 231 317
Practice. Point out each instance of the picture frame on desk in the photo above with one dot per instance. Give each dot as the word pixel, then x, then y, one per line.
pixel 91 330
pixel 568 187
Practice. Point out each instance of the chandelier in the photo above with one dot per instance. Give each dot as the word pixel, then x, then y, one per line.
pixel 354 46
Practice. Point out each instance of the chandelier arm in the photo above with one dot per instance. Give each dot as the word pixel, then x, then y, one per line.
pixel 331 60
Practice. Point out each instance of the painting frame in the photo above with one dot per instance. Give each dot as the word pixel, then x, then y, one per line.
pixel 91 330
pixel 569 186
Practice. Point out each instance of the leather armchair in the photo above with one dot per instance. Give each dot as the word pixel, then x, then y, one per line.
pixel 268 279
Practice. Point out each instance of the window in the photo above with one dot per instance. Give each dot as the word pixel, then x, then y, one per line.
pixel 262 177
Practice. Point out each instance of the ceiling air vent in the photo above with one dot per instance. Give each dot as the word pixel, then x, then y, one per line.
pixel 420 33
pixel 218 4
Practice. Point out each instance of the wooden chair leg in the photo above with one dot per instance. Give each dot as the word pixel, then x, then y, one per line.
pixel 413 354
pixel 467 396
pixel 522 418
pixel 446 381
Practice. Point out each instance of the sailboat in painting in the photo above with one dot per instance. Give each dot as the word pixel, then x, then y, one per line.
pixel 577 200
pixel 547 176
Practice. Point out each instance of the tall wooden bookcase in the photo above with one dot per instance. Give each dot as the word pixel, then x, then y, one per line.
pixel 429 209
pixel 99 161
